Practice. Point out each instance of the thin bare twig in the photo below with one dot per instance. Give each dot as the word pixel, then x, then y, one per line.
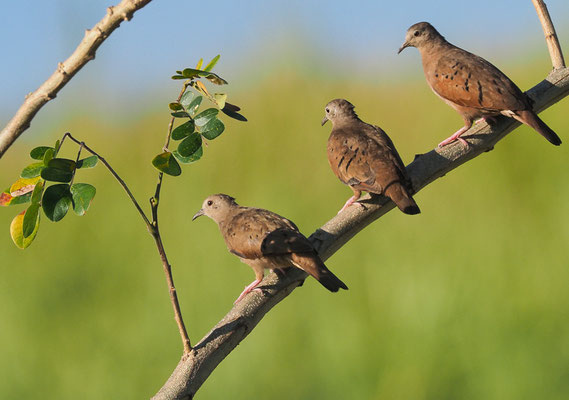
pixel 152 227
pixel 84 53
pixel 550 36
pixel 114 173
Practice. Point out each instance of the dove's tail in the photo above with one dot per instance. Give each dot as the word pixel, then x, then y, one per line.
pixel 402 199
pixel 530 118
pixel 313 265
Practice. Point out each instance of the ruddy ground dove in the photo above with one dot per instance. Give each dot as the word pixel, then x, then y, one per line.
pixel 265 240
pixel 471 85
pixel 365 159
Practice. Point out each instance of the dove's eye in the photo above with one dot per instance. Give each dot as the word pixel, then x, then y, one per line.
pixel 327 110
pixel 209 202
pixel 416 33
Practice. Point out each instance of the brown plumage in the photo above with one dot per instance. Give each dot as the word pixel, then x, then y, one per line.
pixel 265 240
pixel 471 85
pixel 365 159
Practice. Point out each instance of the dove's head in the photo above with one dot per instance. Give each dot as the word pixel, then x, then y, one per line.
pixel 419 35
pixel 217 207
pixel 339 110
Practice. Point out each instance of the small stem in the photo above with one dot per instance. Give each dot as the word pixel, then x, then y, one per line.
pixel 550 36
pixel 155 232
pixel 117 177
pixel 81 145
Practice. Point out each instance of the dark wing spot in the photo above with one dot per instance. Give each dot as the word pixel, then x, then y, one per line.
pixel 341 161
pixel 456 72
pixel 349 162
pixel 499 90
pixel 480 95
pixel 469 75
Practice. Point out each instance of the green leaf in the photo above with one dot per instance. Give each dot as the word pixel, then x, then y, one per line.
pixel 56 175
pixel 214 78
pixel 183 130
pixel 180 114
pixel 32 170
pixel 37 192
pixel 31 220
pixel 187 98
pixel 191 158
pixel 88 162
pixel 17 231
pixel 211 63
pixel 212 129
pixel 39 152
pixel 56 201
pixel 175 106
pixel 199 64
pixel 233 114
pixel 48 155
pixel 177 77
pixel 190 145
pixel 82 194
pixel 57 146
pixel 63 164
pixel 166 163
pixel 194 105
pixel 205 116
pixel 190 73
pixel 220 99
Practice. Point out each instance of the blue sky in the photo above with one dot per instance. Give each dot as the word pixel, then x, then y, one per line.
pixel 251 36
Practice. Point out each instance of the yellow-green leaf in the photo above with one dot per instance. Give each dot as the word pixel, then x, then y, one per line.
pixel 23 186
pixel 220 99
pixel 17 233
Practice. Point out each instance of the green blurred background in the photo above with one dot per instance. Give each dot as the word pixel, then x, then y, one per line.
pixel 468 300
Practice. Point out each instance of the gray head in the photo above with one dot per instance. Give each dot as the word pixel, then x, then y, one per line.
pixel 216 206
pixel 420 34
pixel 339 110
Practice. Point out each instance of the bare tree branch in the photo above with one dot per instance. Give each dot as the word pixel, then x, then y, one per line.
pixel 194 368
pixel 550 36
pixel 84 53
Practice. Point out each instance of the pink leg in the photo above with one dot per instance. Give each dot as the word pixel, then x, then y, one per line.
pixel 456 136
pixel 248 289
pixel 488 119
pixel 353 199
pixel 350 201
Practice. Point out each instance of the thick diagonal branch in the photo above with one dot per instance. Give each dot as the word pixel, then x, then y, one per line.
pixel 84 53
pixel 194 368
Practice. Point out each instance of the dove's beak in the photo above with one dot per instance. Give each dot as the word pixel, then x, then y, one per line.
pixel 324 121
pixel 198 214
pixel 403 46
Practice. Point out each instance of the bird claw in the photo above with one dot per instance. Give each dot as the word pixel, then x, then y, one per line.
pixel 248 289
pixel 456 136
pixel 350 201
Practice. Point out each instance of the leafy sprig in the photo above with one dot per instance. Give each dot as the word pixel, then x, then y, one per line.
pixel 200 126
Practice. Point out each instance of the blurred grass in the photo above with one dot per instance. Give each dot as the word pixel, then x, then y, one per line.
pixel 468 300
